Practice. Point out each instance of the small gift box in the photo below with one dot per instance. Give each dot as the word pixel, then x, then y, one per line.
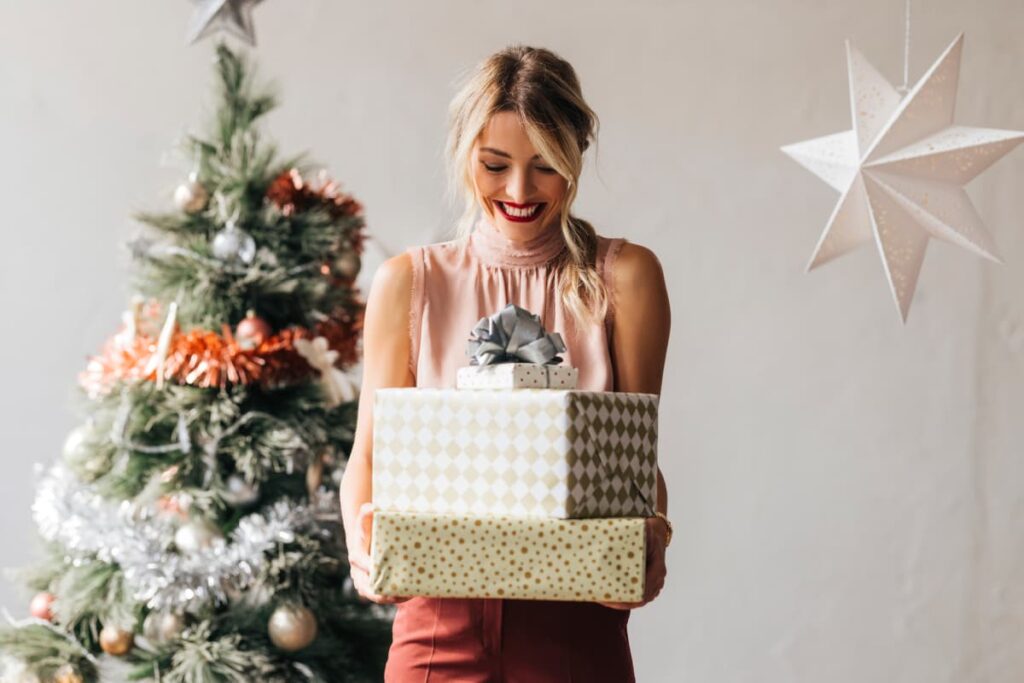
pixel 516 376
pixel 511 350
pixel 533 558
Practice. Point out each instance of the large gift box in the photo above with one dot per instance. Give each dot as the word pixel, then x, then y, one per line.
pixel 507 557
pixel 561 454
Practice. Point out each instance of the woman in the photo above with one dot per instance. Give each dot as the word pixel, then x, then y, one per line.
pixel 519 128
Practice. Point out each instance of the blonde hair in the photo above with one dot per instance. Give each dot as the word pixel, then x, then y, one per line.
pixel 543 90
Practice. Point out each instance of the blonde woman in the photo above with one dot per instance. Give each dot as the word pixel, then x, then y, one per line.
pixel 519 128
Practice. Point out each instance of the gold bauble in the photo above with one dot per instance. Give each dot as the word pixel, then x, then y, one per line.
pixel 191 196
pixel 116 641
pixel 347 264
pixel 292 627
pixel 163 627
pixel 67 674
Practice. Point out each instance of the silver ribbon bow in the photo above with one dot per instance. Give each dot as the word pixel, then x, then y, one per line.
pixel 513 335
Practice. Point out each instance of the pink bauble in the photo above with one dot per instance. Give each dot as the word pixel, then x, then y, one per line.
pixel 252 331
pixel 40 606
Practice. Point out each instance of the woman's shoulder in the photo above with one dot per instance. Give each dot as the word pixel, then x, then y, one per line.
pixel 628 265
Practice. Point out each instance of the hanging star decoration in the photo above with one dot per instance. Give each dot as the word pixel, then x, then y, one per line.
pixel 901 171
pixel 232 16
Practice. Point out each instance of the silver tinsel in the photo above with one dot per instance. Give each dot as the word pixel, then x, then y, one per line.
pixel 140 540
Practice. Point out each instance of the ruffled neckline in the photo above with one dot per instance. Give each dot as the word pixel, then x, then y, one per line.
pixel 492 247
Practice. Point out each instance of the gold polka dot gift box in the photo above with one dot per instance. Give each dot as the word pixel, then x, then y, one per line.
pixel 422 554
pixel 529 452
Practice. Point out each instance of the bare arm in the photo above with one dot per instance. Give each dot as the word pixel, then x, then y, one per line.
pixel 640 333
pixel 386 347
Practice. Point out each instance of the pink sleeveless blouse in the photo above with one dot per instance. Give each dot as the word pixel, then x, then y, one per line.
pixel 457 640
pixel 456 283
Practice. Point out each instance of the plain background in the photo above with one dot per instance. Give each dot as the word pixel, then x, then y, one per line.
pixel 847 491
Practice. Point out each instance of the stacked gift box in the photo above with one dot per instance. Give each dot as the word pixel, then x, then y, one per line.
pixel 514 484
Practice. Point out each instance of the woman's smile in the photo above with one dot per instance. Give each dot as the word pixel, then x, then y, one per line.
pixel 519 213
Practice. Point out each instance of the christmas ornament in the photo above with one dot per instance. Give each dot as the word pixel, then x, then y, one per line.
pixel 67 674
pixel 290 193
pixel 901 171
pixel 314 475
pixel 15 670
pixel 163 627
pixel 252 331
pixel 239 492
pixel 76 445
pixel 347 264
pixel 232 16
pixel 116 641
pixel 41 606
pixel 292 627
pixel 196 535
pixel 234 245
pixel 203 358
pixel 89 525
pixel 191 196
pixel 338 388
pixel 156 364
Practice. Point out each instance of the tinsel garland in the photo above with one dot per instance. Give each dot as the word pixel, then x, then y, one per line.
pixel 138 539
pixel 203 358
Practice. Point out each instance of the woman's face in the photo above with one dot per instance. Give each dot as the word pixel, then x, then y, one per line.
pixel 519 191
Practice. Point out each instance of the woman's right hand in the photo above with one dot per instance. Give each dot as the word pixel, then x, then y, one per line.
pixel 360 562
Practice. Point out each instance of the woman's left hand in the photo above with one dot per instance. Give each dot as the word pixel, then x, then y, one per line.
pixel 657 534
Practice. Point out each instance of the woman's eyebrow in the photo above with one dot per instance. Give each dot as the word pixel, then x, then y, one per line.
pixel 503 154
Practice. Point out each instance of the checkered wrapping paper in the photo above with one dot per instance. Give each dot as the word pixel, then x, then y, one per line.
pixel 420 554
pixel 539 452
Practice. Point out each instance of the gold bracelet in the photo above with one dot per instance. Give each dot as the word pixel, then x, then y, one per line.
pixel 668 525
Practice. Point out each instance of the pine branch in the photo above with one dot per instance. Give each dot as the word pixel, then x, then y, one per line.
pixel 47 650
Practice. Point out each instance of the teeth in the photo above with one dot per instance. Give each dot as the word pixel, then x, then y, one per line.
pixel 519 213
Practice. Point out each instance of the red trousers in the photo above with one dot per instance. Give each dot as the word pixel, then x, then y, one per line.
pixel 450 640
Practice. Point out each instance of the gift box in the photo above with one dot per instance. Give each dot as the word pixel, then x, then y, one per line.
pixel 562 454
pixel 516 376
pixel 421 554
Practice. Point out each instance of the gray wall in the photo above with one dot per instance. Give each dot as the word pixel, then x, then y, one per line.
pixel 847 491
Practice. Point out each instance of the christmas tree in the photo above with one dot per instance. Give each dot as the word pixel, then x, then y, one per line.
pixel 192 523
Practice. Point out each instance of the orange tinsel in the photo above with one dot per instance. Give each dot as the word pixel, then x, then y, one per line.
pixel 202 358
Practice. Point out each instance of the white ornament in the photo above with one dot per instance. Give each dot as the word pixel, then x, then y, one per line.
pixel 196 535
pixel 338 386
pixel 163 627
pixel 233 16
pixel 901 171
pixel 191 196
pixel 239 492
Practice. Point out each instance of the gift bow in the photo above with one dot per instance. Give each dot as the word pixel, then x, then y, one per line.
pixel 513 335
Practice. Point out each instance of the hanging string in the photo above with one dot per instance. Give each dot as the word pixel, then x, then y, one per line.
pixel 906 52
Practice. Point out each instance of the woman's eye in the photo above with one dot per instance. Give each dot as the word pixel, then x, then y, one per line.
pixel 494 169
pixel 544 169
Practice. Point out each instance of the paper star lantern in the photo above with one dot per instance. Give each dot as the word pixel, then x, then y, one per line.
pixel 901 171
pixel 233 16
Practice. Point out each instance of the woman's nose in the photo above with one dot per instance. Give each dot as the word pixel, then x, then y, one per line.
pixel 520 186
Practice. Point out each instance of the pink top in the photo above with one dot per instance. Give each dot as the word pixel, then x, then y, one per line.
pixel 456 283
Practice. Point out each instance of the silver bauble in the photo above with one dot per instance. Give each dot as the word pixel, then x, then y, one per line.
pixel 292 627
pixel 233 244
pixel 191 196
pixel 239 492
pixel 163 627
pixel 77 442
pixel 347 263
pixel 196 535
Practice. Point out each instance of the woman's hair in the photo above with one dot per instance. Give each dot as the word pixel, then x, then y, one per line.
pixel 543 90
